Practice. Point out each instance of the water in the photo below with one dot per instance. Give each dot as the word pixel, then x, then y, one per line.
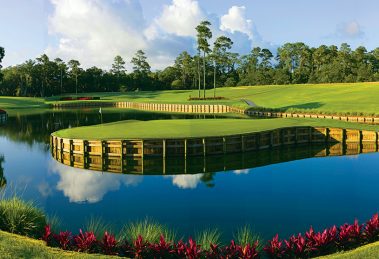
pixel 280 191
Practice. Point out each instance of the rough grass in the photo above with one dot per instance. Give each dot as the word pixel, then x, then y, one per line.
pixel 207 237
pixel 15 246
pixel 245 235
pixel 150 231
pixel 194 128
pixel 370 251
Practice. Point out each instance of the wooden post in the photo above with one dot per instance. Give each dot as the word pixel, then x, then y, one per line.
pixel 142 149
pixel 204 147
pixel 164 148
pixel 242 143
pixel 71 153
pixel 185 148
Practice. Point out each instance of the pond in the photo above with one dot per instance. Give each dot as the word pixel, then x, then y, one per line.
pixel 279 191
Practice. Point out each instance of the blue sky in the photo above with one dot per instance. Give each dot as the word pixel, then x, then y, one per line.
pixel 94 31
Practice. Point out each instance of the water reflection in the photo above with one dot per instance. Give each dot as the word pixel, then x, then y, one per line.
pixel 33 128
pixel 3 181
pixel 81 185
pixel 238 162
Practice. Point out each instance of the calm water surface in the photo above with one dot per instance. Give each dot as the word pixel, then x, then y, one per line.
pixel 284 197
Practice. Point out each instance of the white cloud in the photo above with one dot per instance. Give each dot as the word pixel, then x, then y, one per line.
pixel 81 185
pixel 351 30
pixel 235 21
pixel 242 171
pixel 180 18
pixel 95 31
pixel 186 181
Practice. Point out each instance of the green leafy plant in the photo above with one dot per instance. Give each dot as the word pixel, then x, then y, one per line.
pixel 208 237
pixel 246 235
pixel 20 217
pixel 149 229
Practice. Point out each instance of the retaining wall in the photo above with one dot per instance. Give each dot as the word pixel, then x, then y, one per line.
pixel 360 119
pixel 161 107
pixel 214 108
pixel 98 154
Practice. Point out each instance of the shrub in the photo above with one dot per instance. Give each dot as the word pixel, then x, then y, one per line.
pixel 208 237
pixel 20 217
pixel 150 230
pixel 85 242
pixel 245 235
pixel 97 226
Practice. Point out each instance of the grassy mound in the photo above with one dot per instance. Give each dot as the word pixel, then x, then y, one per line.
pixel 15 246
pixel 194 128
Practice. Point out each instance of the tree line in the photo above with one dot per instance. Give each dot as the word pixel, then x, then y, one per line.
pixel 211 67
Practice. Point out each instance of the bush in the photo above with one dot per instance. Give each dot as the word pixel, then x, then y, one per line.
pixel 20 217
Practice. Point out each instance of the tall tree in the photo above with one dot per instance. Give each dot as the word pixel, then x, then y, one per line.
pixel 204 33
pixel 183 63
pixel 140 64
pixel 141 70
pixel 74 71
pixel 62 71
pixel 2 54
pixel 118 66
pixel 220 55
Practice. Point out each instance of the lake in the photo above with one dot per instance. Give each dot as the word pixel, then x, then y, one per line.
pixel 279 191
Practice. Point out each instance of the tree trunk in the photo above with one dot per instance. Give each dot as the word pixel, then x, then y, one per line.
pixel 214 80
pixel 198 71
pixel 204 71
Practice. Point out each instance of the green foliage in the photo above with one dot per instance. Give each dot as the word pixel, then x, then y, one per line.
pixel 55 223
pixel 15 246
pixel 97 226
pixel 20 217
pixel 246 235
pixel 149 229
pixel 207 237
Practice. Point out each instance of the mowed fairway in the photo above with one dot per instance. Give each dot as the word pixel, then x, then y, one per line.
pixel 193 128
pixel 355 98
pixel 324 98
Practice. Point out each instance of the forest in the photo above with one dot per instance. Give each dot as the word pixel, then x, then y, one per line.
pixel 214 65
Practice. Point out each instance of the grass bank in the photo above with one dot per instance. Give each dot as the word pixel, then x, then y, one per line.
pixel 15 246
pixel 370 251
pixel 195 128
pixel 316 98
pixel 340 98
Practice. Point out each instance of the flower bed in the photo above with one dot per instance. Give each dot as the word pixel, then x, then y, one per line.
pixel 309 244
pixel 85 98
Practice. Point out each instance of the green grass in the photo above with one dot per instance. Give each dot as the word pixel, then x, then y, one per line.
pixel 326 98
pixel 150 231
pixel 370 251
pixel 20 217
pixel 345 98
pixel 207 237
pixel 245 235
pixel 194 128
pixel 15 246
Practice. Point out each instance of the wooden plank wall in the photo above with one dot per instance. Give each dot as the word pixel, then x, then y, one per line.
pixel 161 107
pixel 359 119
pixel 119 155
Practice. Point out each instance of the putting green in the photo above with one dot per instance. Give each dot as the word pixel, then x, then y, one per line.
pixel 159 129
